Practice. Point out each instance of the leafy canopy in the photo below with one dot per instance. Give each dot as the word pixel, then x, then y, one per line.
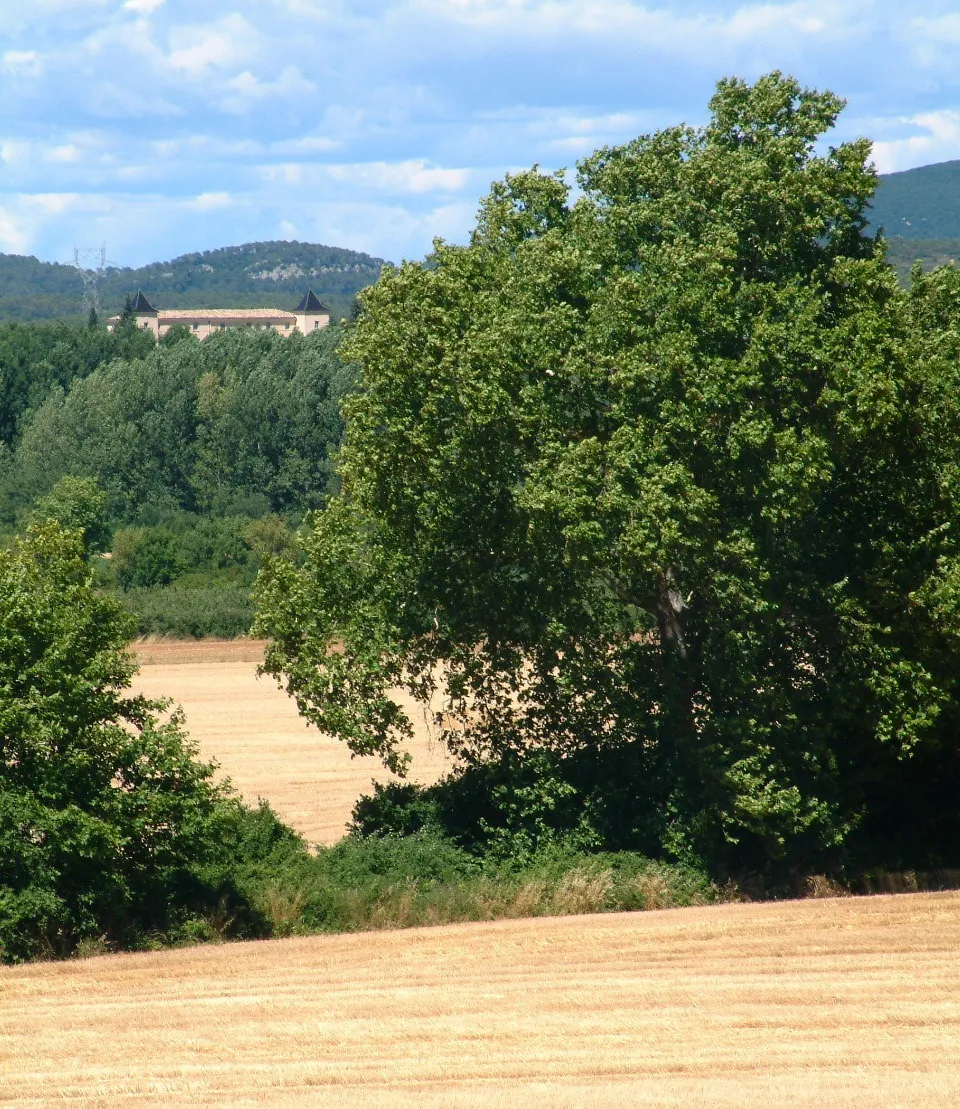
pixel 653 490
pixel 106 818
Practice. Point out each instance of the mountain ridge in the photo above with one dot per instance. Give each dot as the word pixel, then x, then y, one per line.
pixel 271 274
pixel 918 210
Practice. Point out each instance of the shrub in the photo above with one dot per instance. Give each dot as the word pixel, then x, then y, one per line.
pixel 110 829
pixel 146 556
pixel 191 610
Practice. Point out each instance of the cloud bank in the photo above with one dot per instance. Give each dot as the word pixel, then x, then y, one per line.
pixel 161 127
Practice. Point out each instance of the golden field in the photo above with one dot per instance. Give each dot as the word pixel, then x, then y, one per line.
pixel 847 1002
pixel 844 1002
pixel 251 727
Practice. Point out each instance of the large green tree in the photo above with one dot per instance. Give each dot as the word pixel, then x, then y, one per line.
pixel 654 490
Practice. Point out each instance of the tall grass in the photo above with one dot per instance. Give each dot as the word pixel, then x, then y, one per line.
pixel 401 882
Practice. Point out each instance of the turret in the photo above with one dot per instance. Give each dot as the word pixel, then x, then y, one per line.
pixel 311 314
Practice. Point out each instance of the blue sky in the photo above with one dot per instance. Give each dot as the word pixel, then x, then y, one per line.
pixel 162 126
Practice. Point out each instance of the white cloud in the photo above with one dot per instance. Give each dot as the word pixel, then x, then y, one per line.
pixel 69 152
pixel 937 141
pixel 657 29
pixel 14 152
pixel 246 89
pixel 14 237
pixel 143 7
pixel 944 29
pixel 308 144
pixel 414 177
pixel 22 63
pixel 211 202
pixel 196 49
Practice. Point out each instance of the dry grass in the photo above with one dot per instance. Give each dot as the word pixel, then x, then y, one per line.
pixel 252 729
pixel 847 1002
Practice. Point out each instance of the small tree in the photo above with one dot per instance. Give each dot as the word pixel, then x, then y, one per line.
pixel 106 818
pixel 77 503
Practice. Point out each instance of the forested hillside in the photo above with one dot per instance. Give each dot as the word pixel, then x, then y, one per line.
pixel 919 211
pixel 269 275
pixel 921 203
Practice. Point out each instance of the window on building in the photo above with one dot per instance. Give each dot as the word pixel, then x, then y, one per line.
pixel 196 327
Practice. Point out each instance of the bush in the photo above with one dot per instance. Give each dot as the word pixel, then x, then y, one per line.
pixel 191 610
pixel 145 557
pixel 110 829
pixel 425 879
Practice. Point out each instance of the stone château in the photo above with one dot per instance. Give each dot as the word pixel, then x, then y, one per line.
pixel 309 315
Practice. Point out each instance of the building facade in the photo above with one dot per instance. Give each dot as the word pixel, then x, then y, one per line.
pixel 309 315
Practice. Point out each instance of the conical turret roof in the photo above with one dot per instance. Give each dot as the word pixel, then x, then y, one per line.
pixel 310 303
pixel 142 306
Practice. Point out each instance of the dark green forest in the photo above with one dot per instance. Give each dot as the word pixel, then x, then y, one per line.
pixel 254 275
pixel 921 203
pixel 918 211
pixel 205 455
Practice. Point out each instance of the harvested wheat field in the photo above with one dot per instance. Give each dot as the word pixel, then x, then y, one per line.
pixel 252 729
pixel 847 1002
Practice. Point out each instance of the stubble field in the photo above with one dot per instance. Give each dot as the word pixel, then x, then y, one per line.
pixel 846 1002
pixel 851 1002
pixel 251 727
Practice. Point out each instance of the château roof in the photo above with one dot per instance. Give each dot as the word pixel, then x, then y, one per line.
pixel 310 303
pixel 167 314
pixel 142 305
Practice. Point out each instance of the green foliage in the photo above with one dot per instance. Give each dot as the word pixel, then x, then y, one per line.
pixel 370 882
pixel 194 426
pixel 113 835
pixel 77 504
pixel 902 254
pixel 650 497
pixel 190 576
pixel 145 557
pixel 192 607
pixel 38 359
pixel 255 275
pixel 109 826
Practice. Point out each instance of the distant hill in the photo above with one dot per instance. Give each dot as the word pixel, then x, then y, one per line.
pixel 902 253
pixel 919 211
pixel 268 275
pixel 922 203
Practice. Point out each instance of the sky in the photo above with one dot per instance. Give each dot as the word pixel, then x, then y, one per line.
pixel 159 127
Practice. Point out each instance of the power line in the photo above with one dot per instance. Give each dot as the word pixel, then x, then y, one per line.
pixel 90 261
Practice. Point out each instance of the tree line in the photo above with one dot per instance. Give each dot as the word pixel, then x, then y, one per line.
pixel 207 454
